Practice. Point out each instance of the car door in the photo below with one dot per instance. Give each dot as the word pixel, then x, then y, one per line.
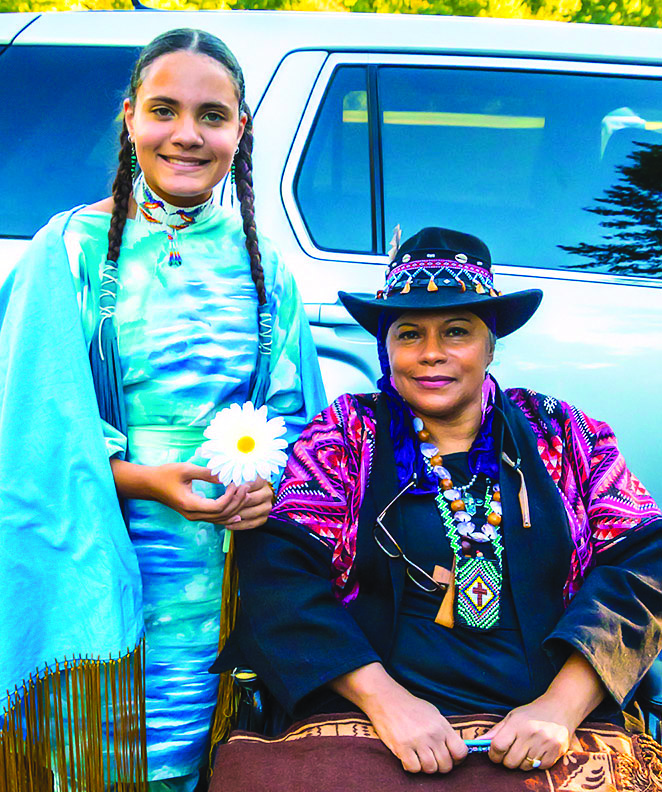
pixel 539 158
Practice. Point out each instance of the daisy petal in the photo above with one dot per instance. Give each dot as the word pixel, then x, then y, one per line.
pixel 249 472
pixel 263 469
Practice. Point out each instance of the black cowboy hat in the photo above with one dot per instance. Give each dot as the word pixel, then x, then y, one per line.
pixel 440 268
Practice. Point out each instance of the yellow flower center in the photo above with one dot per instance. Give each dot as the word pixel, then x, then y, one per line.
pixel 245 444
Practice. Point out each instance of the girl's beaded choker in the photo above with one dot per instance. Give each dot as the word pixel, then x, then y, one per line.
pixel 152 209
pixel 476 587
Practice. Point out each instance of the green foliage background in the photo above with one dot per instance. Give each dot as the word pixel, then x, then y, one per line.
pixel 616 12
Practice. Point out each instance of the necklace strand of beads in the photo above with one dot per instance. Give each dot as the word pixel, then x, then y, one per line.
pixel 478 579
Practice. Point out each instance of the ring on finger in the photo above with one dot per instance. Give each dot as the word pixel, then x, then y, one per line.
pixel 535 763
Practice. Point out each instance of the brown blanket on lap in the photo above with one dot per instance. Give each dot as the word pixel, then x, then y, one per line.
pixel 342 753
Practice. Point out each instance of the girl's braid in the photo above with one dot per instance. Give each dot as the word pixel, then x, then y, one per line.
pixel 243 161
pixel 122 188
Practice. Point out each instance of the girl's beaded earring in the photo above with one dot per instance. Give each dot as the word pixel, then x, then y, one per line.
pixel 134 159
pixel 233 176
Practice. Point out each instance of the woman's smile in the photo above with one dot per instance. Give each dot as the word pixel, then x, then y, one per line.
pixel 436 381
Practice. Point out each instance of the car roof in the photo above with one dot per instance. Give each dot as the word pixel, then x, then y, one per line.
pixel 285 31
pixel 261 39
pixel 11 25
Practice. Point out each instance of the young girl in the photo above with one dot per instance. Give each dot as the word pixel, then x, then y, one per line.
pixel 171 322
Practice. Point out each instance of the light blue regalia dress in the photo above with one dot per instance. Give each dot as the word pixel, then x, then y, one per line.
pixel 187 336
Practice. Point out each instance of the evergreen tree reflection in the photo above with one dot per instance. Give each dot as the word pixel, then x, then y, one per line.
pixel 632 211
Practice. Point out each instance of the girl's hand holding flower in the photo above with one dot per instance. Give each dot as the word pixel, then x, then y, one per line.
pixel 255 509
pixel 172 485
pixel 244 448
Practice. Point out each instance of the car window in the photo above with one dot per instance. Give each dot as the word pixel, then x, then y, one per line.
pixel 60 126
pixel 551 170
pixel 332 185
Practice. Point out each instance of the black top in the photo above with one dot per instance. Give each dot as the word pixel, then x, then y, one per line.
pixel 297 636
pixel 461 670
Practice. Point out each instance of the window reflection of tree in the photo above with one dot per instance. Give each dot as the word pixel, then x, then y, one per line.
pixel 632 211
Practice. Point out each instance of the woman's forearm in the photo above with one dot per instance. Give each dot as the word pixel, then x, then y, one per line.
pixel 576 689
pixel 536 735
pixel 412 728
pixel 368 686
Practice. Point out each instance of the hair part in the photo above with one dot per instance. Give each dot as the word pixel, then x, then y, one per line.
pixel 188 40
pixel 203 43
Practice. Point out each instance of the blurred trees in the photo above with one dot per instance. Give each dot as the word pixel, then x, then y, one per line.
pixel 616 12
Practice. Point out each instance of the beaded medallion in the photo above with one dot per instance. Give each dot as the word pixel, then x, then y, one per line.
pixel 173 219
pixel 477 583
pixel 477 579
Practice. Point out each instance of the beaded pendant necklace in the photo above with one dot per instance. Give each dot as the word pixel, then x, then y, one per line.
pixel 478 579
pixel 152 209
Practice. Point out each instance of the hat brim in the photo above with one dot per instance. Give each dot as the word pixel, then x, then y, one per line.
pixel 510 311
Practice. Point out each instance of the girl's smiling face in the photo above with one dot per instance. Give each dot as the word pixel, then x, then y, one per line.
pixel 186 126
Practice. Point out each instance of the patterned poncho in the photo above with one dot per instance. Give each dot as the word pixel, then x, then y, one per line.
pixel 326 477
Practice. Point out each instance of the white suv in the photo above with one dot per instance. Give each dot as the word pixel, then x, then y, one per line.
pixel 534 136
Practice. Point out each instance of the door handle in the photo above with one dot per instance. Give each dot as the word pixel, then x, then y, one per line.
pixel 328 315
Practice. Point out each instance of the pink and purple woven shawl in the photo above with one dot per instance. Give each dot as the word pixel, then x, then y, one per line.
pixel 326 478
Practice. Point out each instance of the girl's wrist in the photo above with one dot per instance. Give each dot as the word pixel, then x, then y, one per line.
pixel 148 480
pixel 135 481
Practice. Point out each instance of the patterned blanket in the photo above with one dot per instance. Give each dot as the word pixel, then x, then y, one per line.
pixel 342 753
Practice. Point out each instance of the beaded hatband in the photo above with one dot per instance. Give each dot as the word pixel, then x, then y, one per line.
pixel 432 274
pixel 477 579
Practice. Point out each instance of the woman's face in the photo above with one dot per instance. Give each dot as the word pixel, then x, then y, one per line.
pixel 185 125
pixel 438 361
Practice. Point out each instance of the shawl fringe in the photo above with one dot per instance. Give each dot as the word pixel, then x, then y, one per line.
pixel 78 727
pixel 227 701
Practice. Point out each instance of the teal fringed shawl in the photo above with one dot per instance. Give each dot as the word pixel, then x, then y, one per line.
pixel 71 583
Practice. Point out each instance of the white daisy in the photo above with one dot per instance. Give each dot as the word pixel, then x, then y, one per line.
pixel 242 444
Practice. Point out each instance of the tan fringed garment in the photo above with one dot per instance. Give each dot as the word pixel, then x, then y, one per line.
pixel 79 728
pixel 342 753
pixel 227 699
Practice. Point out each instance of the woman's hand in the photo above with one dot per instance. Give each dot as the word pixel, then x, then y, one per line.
pixel 172 485
pixel 413 729
pixel 255 508
pixel 417 733
pixel 538 734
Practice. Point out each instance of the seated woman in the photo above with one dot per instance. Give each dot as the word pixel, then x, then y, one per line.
pixel 444 549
